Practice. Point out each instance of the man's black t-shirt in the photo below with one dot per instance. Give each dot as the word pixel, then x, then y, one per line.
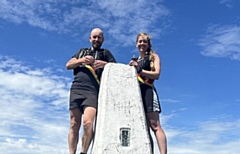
pixel 83 78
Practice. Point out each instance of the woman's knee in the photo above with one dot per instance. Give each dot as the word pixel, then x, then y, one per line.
pixel 153 121
pixel 154 125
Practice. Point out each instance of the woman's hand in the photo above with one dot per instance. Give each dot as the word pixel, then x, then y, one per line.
pixel 133 63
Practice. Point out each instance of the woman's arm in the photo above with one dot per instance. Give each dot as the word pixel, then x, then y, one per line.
pixel 156 73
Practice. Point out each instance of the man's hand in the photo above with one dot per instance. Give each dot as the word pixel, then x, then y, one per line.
pixel 99 64
pixel 89 60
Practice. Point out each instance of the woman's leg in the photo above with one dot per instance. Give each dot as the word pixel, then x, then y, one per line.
pixel 154 123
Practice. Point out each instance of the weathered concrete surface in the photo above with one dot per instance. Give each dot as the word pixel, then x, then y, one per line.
pixel 120 106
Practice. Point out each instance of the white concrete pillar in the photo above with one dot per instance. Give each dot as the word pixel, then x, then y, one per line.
pixel 121 123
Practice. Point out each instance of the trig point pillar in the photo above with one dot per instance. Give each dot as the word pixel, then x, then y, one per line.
pixel 121 124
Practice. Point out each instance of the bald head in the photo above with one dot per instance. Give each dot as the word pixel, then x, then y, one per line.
pixel 96 38
pixel 97 31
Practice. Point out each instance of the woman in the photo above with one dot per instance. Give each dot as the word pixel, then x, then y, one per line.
pixel 148 69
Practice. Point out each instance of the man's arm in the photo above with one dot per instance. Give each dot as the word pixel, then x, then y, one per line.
pixel 108 57
pixel 74 62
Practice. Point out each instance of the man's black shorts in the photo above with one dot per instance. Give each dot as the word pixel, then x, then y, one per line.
pixel 80 98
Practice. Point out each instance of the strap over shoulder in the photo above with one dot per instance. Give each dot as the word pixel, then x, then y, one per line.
pixel 82 52
pixel 85 51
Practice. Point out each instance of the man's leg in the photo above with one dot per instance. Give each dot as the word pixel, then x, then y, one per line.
pixel 88 120
pixel 75 123
pixel 153 119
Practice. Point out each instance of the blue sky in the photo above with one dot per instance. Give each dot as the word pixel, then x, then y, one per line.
pixel 199 88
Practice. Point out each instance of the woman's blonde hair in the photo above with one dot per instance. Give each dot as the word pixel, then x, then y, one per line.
pixel 149 50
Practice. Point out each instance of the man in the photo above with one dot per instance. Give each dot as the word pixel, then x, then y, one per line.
pixel 87 65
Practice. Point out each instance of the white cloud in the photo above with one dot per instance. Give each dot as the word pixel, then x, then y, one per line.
pixel 170 100
pixel 228 3
pixel 34 117
pixel 222 41
pixel 213 136
pixel 34 109
pixel 121 19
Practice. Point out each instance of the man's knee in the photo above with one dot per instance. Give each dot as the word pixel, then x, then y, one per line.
pixel 74 123
pixel 87 124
